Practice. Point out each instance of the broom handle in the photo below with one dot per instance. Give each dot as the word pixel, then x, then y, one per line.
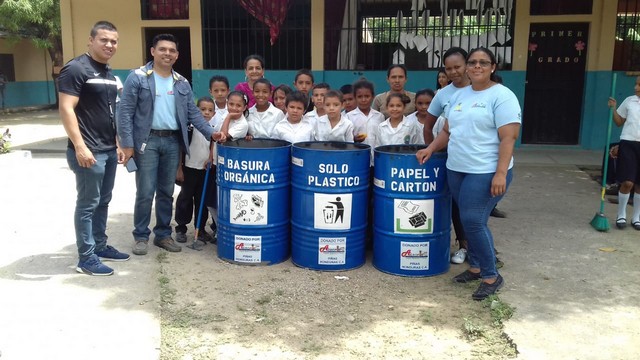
pixel 204 193
pixel 606 157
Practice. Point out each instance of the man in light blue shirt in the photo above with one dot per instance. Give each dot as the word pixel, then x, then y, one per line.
pixel 155 110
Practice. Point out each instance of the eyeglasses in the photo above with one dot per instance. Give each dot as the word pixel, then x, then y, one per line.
pixel 482 63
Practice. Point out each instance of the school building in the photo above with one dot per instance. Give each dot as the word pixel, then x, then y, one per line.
pixel 558 57
pixel 28 71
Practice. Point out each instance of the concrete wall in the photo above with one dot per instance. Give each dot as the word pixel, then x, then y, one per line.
pixel 78 16
pixel 32 66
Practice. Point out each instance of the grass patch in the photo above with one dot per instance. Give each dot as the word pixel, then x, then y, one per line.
pixel 312 348
pixel 162 257
pixel 167 293
pixel 473 328
pixel 500 311
pixel 264 300
pixel 426 317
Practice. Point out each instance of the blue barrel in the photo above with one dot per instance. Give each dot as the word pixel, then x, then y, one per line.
pixel 412 212
pixel 329 201
pixel 253 201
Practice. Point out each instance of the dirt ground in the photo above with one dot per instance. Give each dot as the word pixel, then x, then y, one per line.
pixel 286 312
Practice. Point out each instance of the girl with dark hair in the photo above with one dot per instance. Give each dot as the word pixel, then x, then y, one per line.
pixel 397 129
pixel 422 102
pixel 442 80
pixel 235 124
pixel 280 97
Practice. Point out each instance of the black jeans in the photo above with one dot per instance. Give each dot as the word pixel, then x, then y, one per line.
pixel 188 202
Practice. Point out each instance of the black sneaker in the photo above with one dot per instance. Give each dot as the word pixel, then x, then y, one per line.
pixel 485 289
pixel 111 254
pixel 205 237
pixel 497 213
pixel 466 276
pixel 181 237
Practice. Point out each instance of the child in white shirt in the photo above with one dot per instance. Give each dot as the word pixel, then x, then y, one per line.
pixel 293 128
pixel 333 126
pixel 263 116
pixel 234 126
pixel 191 175
pixel 364 116
pixel 219 90
pixel 422 101
pixel 317 97
pixel 396 129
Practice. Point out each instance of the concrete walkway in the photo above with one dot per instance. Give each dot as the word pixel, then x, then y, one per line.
pixel 575 290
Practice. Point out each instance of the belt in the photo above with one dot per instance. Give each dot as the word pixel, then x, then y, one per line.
pixel 164 133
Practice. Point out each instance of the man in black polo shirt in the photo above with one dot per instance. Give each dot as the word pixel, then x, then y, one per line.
pixel 87 101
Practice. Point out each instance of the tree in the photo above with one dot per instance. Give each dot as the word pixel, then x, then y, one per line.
pixel 35 20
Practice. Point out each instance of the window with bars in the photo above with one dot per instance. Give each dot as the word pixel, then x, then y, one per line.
pixel 164 9
pixel 373 34
pixel 626 55
pixel 230 34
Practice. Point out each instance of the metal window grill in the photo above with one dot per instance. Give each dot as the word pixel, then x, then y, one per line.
pixel 230 34
pixel 627 46
pixel 373 34
pixel 164 9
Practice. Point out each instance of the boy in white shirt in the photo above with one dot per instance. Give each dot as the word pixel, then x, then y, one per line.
pixel 191 176
pixel 293 128
pixel 317 97
pixel 263 116
pixel 219 90
pixel 364 115
pixel 333 126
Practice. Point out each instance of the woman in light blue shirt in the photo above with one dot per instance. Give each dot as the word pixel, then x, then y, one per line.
pixel 481 127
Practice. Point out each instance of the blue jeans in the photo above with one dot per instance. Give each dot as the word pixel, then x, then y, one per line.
pixel 94 186
pixel 472 192
pixel 156 175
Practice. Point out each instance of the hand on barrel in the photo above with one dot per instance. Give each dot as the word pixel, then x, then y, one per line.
pixel 424 155
pixel 219 137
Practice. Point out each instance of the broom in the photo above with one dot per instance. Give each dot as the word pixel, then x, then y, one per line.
pixel 197 244
pixel 600 221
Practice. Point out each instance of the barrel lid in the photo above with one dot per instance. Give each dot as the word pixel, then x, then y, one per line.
pixel 256 143
pixel 406 149
pixel 330 145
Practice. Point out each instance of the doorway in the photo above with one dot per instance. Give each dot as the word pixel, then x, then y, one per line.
pixel 183 64
pixel 557 57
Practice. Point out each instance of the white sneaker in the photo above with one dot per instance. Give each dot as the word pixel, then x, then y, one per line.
pixel 459 256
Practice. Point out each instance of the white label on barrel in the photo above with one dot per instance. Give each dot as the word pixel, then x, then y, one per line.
pixel 378 182
pixel 220 160
pixel 332 211
pixel 249 207
pixel 414 255
pixel 297 161
pixel 413 216
pixel 332 251
pixel 247 249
